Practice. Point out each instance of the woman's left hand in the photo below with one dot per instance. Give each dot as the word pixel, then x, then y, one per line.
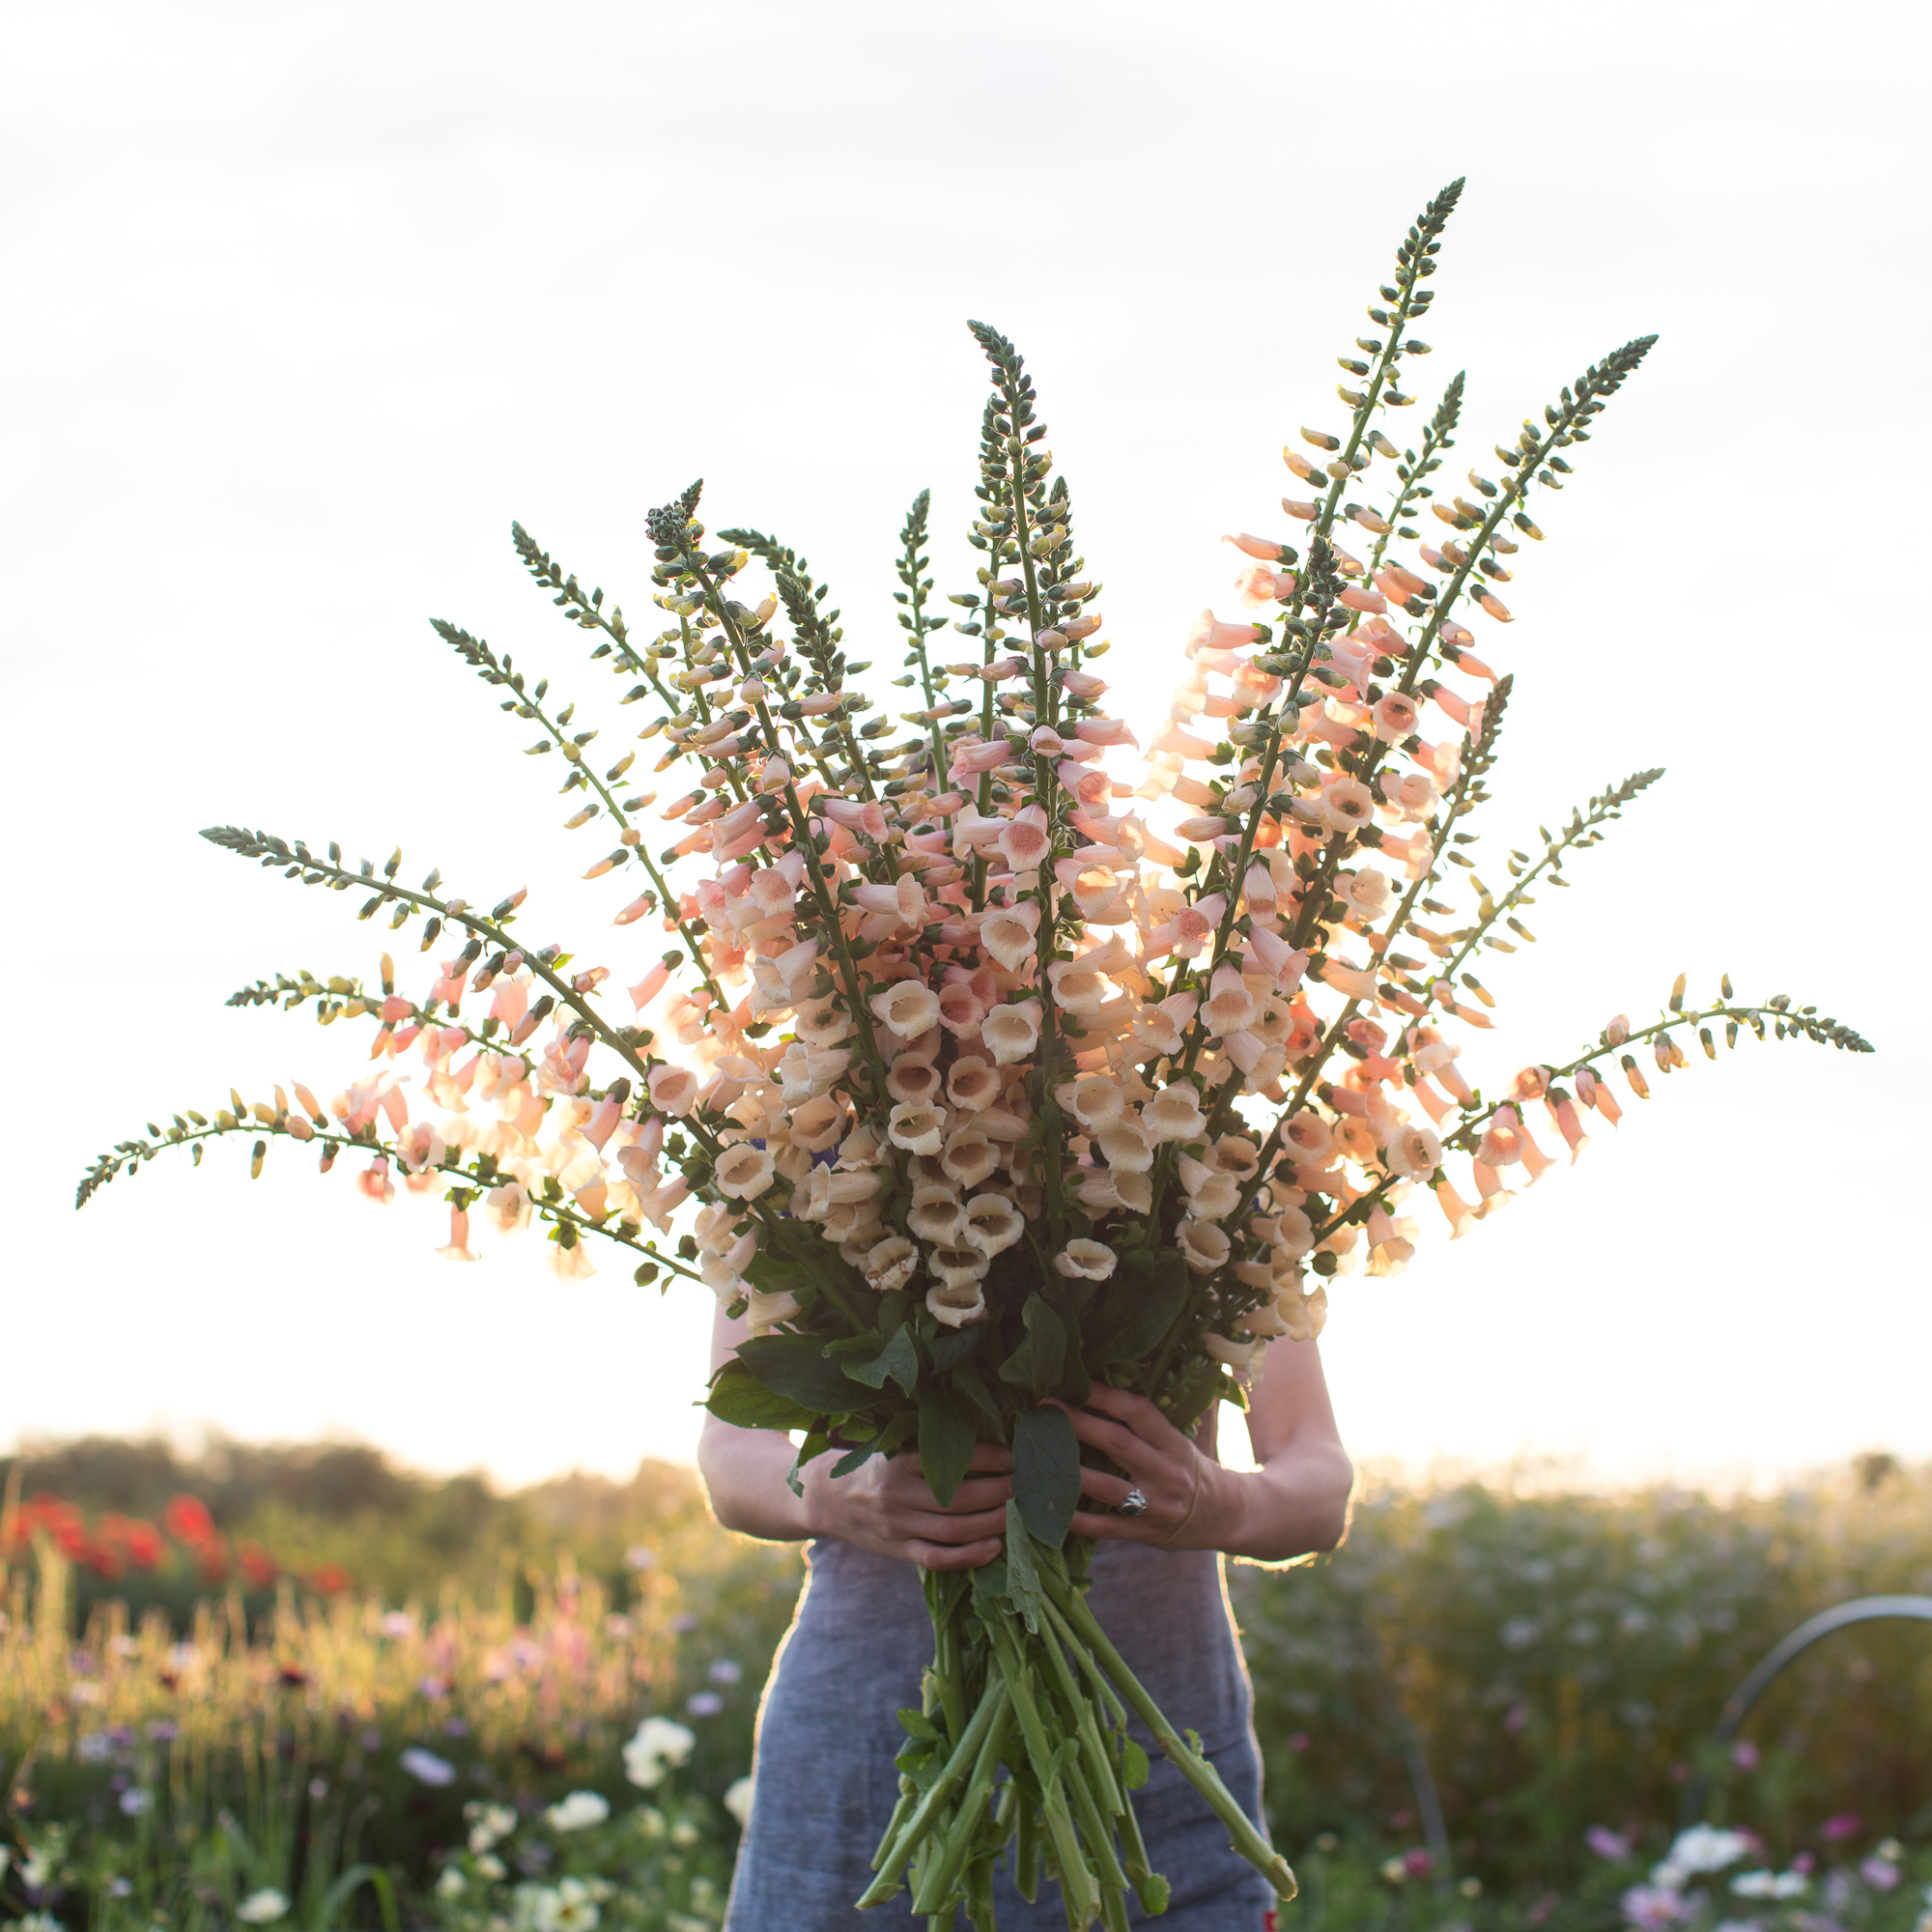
pixel 1161 1463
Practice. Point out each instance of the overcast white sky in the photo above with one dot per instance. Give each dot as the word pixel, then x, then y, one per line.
pixel 304 304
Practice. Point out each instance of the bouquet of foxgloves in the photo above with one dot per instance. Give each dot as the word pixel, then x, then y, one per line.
pixel 995 1053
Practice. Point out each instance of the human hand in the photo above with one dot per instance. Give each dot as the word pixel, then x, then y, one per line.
pixel 1164 1465
pixel 887 1507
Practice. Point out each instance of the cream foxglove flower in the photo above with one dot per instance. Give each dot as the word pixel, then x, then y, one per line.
pixel 915 1127
pixel 1173 1114
pixel 744 1172
pixel 1086 1260
pixel 993 1224
pixel 937 1216
pixel 909 1008
pixel 890 1264
pixel 1011 1032
pixel 1203 1246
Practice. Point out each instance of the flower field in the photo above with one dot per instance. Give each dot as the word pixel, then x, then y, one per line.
pixel 540 1740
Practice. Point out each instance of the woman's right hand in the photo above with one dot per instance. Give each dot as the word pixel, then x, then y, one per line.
pixel 887 1506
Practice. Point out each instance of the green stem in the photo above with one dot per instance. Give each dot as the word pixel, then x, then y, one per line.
pixel 1076 1880
pixel 942 1876
pixel 1247 1838
pixel 1078 1709
pixel 894 1850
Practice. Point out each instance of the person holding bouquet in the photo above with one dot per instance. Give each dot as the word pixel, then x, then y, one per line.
pixel 825 1777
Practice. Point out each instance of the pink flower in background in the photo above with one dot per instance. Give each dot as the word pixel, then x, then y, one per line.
pixel 1879 1872
pixel 1843 1825
pixel 1607 1843
pixel 1651 1908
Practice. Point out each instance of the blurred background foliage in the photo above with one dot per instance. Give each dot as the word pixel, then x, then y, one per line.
pixel 213 1628
pixel 1560 1658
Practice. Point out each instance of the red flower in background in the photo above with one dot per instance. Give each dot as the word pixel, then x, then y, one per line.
pixel 131 1541
pixel 59 1523
pixel 188 1521
pixel 119 1542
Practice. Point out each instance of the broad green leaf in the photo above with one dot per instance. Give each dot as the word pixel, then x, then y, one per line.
pixel 793 1367
pixel 1135 1322
pixel 945 1440
pixel 1022 1577
pixel 1036 1365
pixel 898 1358
pixel 951 1347
pixel 1133 1765
pixel 1046 1472
pixel 967 1379
pixel 738 1397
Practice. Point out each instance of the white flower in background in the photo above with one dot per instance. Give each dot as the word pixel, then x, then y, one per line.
pixel 451 1884
pixel 1769 1884
pixel 492 1867
pixel 135 1800
pixel 533 1907
pixel 1703 1848
pixel 488 1824
pixel 659 1745
pixel 264 1907
pixel 399 1623
pixel 425 1767
pixel 38 1922
pixel 565 1907
pixel 738 1800
pixel 579 1811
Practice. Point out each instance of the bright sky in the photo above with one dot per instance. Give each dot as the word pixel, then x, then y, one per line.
pixel 305 304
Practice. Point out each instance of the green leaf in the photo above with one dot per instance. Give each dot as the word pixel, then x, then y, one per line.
pixel 738 1397
pixel 1133 1765
pixel 816 1443
pixel 1135 1323
pixel 946 1441
pixel 1022 1577
pixel 917 1725
pixel 953 1347
pixel 898 1433
pixel 898 1358
pixel 967 1379
pixel 793 1367
pixel 855 1459
pixel 1046 1472
pixel 1036 1365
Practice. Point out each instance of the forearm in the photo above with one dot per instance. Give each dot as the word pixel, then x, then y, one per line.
pixel 744 1471
pixel 1294 1504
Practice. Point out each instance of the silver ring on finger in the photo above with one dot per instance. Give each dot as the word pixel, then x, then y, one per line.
pixel 1133 1503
